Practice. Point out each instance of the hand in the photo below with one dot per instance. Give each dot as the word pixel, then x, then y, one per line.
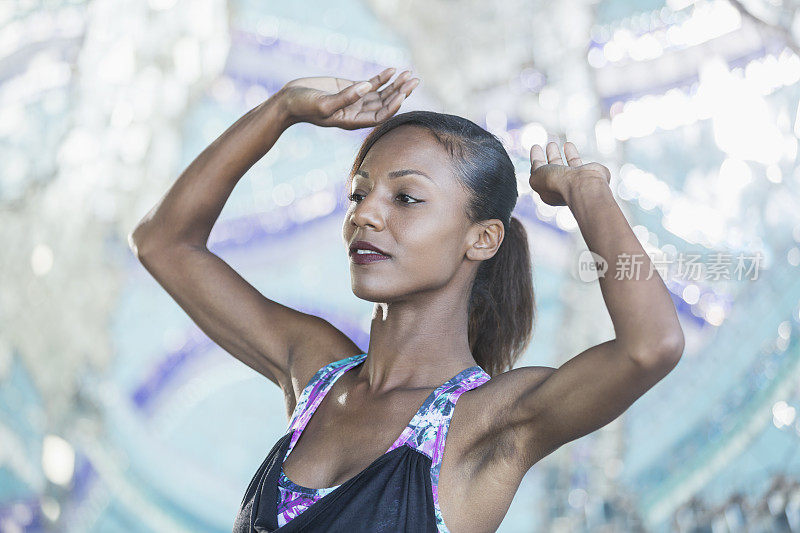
pixel 551 179
pixel 336 102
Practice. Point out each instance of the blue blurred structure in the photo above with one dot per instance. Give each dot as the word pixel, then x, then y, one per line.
pixel 118 414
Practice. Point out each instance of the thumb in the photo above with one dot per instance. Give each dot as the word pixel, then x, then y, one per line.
pixel 347 96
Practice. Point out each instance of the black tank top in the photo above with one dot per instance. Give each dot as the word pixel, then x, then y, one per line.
pixel 396 492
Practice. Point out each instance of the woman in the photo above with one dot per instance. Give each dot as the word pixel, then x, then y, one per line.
pixel 432 242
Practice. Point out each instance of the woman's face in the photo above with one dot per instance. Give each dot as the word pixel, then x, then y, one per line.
pixel 419 222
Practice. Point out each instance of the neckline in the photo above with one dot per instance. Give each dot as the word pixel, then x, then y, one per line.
pixel 399 441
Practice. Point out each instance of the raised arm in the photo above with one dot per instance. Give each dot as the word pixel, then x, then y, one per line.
pixel 283 344
pixel 535 410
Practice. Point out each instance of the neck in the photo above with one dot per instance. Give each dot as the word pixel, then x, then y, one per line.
pixel 419 342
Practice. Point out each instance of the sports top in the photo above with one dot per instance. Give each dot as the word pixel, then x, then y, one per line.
pixel 396 492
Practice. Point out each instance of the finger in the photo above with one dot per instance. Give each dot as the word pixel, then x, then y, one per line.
pixel 390 108
pixel 345 97
pixel 388 92
pixel 553 154
pixel 382 77
pixel 409 86
pixel 372 102
pixel 537 157
pixel 571 153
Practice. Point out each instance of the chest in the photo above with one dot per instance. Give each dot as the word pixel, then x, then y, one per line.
pixel 391 449
pixel 347 434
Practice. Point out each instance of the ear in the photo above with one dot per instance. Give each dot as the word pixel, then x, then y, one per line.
pixel 485 238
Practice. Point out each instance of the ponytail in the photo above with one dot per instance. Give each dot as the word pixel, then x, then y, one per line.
pixel 502 304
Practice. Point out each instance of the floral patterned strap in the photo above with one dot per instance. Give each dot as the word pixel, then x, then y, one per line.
pixel 317 386
pixel 293 499
pixel 435 438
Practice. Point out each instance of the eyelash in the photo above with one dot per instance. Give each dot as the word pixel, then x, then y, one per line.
pixel 353 199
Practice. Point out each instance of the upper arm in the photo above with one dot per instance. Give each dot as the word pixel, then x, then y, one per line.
pixel 584 394
pixel 279 342
pixel 538 409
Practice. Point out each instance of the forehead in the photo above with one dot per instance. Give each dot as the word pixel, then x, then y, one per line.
pixel 410 146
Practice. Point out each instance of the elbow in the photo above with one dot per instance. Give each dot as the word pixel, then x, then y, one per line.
pixel 136 242
pixel 672 348
pixel 132 243
pixel 142 245
pixel 672 344
pixel 664 353
pixel 148 238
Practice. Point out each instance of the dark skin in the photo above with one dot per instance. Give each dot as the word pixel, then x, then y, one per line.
pixel 418 335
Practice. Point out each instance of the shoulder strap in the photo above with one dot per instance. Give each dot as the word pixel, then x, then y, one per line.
pixel 447 405
pixel 435 447
pixel 428 430
pixel 316 388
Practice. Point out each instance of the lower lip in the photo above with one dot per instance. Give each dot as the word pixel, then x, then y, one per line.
pixel 363 259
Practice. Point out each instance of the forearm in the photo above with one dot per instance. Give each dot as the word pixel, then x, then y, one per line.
pixel 189 209
pixel 644 316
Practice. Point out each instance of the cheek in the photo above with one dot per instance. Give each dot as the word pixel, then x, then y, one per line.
pixel 347 225
pixel 434 249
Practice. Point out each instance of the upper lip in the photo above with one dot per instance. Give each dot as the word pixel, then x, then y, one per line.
pixel 364 245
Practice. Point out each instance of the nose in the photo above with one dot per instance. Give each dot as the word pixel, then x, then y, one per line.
pixel 367 212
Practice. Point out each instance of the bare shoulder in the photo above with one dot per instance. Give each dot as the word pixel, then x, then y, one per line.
pixel 321 343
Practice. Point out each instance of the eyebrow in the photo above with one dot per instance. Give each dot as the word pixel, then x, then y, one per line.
pixel 398 173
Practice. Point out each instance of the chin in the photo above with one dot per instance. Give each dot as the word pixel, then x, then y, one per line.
pixel 370 294
pixel 373 288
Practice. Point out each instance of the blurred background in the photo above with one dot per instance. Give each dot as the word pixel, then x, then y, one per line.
pixel 118 414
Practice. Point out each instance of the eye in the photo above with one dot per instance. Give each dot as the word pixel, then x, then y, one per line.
pixel 352 197
pixel 415 201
